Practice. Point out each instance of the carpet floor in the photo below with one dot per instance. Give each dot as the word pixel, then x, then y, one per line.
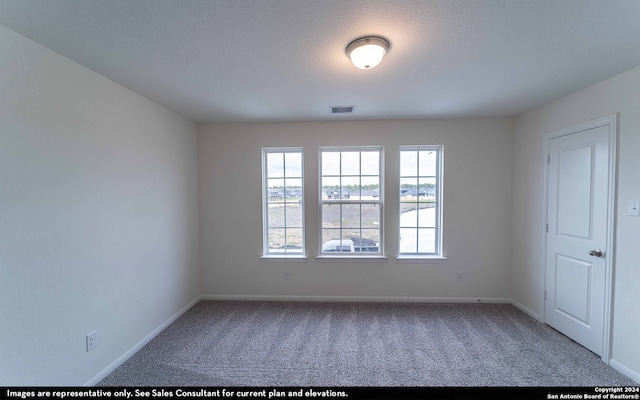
pixel 261 343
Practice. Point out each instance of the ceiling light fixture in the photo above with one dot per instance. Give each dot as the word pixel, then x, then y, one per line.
pixel 367 52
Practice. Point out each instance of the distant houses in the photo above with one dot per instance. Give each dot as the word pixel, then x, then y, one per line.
pixel 281 194
pixel 277 195
pixel 413 192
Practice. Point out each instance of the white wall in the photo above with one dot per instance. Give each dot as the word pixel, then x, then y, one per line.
pixel 477 210
pixel 98 217
pixel 620 94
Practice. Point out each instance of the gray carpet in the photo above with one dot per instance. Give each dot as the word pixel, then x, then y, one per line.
pixel 234 343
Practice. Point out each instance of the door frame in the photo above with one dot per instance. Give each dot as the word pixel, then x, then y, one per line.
pixel 610 121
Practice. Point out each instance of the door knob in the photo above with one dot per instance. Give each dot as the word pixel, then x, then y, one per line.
pixel 596 253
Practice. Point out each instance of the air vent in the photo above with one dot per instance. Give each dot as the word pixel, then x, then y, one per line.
pixel 342 109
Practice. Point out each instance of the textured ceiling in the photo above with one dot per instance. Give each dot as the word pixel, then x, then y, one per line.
pixel 246 60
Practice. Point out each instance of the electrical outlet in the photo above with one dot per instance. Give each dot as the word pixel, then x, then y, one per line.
pixel 634 208
pixel 92 340
pixel 459 276
pixel 287 276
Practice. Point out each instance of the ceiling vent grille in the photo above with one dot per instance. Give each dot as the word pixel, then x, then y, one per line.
pixel 342 109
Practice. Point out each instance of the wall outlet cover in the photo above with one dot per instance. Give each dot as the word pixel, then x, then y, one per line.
pixel 634 208
pixel 92 340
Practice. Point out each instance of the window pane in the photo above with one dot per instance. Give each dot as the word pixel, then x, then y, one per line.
pixel 331 215
pixel 427 215
pixel 369 187
pixel 369 241
pixel 409 163
pixel 371 216
pixel 408 215
pixel 275 191
pixel 277 183
pixel 276 216
pixel 293 165
pixel 331 182
pixel 294 215
pixel 408 240
pixel 350 163
pixel 330 163
pixel 426 240
pixel 294 240
pixel 293 189
pixel 370 163
pixel 275 165
pixel 330 188
pixel 275 196
pixel 276 238
pixel 351 216
pixel 427 163
pixel 351 187
pixel 408 189
pixel 427 188
pixel 330 234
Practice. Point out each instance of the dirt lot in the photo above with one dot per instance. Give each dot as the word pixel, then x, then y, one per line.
pixel 355 220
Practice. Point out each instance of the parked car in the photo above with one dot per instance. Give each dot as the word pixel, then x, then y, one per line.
pixel 338 246
pixel 353 245
pixel 364 245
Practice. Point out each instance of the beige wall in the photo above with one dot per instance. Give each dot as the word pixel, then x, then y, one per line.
pixel 477 210
pixel 618 95
pixel 98 217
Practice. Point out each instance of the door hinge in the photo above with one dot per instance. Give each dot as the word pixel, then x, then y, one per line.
pixel 548 158
pixel 545 294
pixel 547 228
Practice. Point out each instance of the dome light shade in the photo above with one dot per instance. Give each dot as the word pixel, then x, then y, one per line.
pixel 367 52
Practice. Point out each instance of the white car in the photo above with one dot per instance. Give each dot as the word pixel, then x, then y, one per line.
pixel 350 246
pixel 338 246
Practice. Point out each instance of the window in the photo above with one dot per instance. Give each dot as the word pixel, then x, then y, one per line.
pixel 351 199
pixel 283 202
pixel 420 201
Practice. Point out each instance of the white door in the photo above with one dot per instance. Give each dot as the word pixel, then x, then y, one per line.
pixel 578 202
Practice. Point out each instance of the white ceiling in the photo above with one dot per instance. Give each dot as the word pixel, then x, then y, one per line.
pixel 279 60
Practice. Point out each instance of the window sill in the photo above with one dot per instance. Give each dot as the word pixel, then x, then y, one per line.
pixel 337 258
pixel 283 258
pixel 421 259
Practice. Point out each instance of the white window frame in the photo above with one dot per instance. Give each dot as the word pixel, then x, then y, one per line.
pixel 268 253
pixel 354 256
pixel 437 256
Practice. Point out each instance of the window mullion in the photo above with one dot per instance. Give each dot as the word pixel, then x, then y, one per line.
pixel 284 205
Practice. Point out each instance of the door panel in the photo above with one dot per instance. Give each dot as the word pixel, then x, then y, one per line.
pixel 574 191
pixel 573 278
pixel 577 214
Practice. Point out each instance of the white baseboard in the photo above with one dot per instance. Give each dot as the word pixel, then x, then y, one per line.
pixel 525 310
pixel 378 299
pixel 624 370
pixel 140 344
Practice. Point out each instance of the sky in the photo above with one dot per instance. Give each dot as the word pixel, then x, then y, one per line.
pixel 366 163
